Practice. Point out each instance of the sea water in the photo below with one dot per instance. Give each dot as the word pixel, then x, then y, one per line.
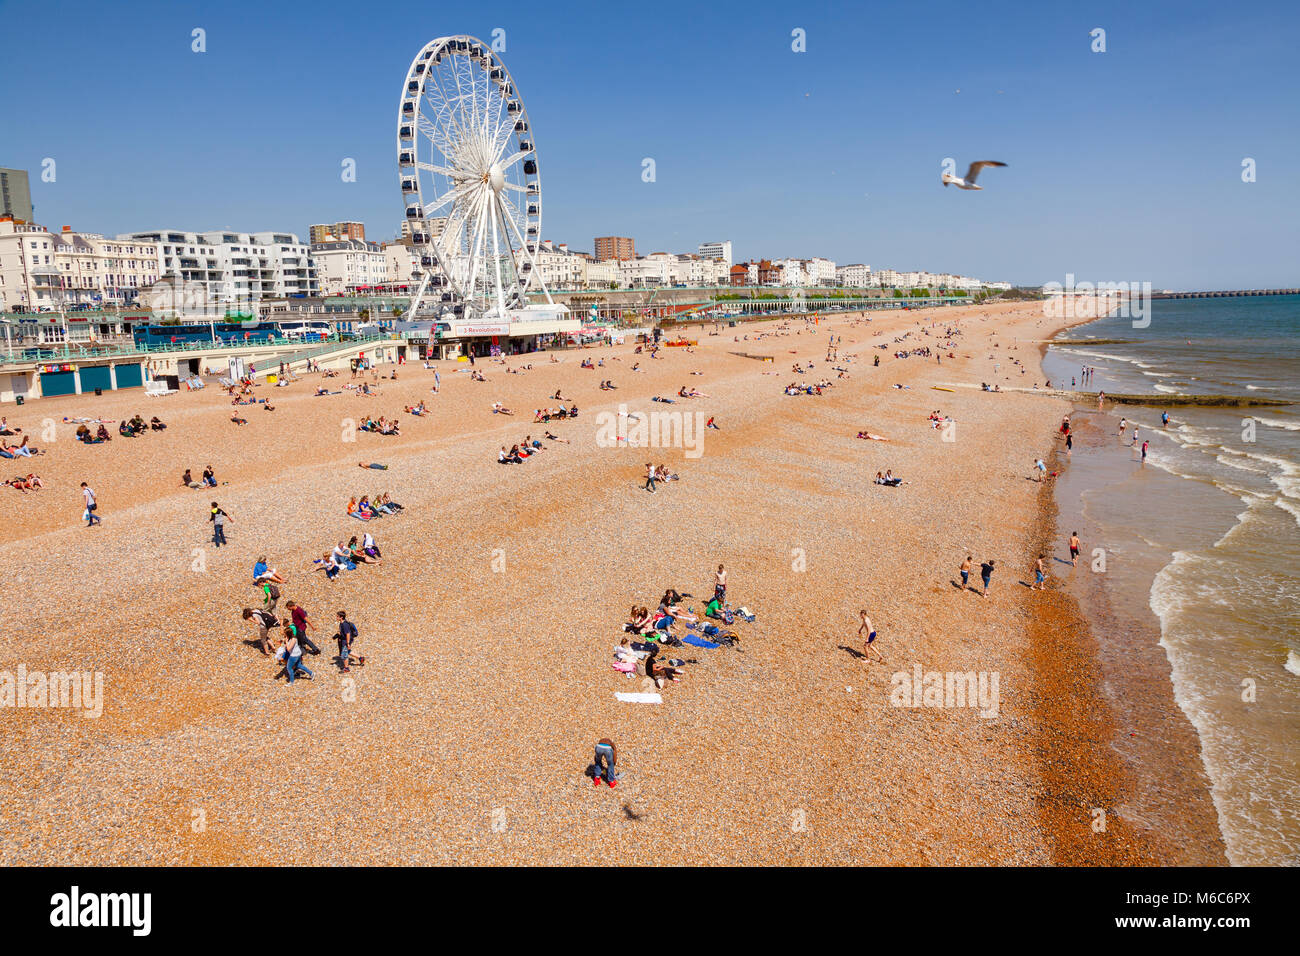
pixel 1208 532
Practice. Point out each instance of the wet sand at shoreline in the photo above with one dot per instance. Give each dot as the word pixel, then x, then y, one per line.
pixel 464 738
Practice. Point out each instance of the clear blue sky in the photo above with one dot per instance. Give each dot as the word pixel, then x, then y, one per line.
pixel 1124 165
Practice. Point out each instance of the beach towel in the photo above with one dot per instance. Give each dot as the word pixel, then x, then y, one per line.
pixel 698 642
pixel 639 698
pixel 623 666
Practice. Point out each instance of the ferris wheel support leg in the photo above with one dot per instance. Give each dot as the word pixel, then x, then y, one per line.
pixel 414 305
pixel 524 246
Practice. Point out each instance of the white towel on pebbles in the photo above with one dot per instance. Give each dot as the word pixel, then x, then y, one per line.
pixel 639 698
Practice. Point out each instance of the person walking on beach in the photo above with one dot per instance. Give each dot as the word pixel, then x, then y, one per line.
pixel 604 763
pixel 649 477
pixel 264 621
pixel 1069 445
pixel 88 493
pixel 346 635
pixel 720 585
pixel 291 653
pixel 866 628
pixel 1074 549
pixel 1123 426
pixel 301 625
pixel 219 519
pixel 1134 440
pixel 964 570
pixel 1040 574
pixel 986 573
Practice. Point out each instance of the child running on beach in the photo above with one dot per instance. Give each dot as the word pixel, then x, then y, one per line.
pixel 868 646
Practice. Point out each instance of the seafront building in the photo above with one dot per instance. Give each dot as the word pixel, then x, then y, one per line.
pixel 234 267
pixel 716 250
pixel 614 247
pixel 16 194
pixel 325 232
pixel 345 266
pixel 44 271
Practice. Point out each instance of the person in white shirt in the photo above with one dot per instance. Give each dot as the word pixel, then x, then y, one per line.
pixel 92 519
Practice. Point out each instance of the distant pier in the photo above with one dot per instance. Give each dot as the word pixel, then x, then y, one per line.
pixel 1223 294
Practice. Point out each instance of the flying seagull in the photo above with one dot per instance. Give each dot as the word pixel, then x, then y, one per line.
pixel 969 181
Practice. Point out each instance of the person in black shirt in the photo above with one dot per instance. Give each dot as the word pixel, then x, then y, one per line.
pixel 346 635
pixel 986 572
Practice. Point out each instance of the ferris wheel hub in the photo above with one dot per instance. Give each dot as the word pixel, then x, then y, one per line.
pixel 496 177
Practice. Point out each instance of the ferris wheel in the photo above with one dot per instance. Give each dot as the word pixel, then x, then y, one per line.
pixel 468 169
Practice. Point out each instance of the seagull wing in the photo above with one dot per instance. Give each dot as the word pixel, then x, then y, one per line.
pixel 976 167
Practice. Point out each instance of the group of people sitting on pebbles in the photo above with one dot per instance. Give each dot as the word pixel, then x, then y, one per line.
pixel 520 453
pixel 346 557
pixel 367 509
pixel 804 389
pixel 650 630
pixel 208 480
pixel 542 415
pixel 381 427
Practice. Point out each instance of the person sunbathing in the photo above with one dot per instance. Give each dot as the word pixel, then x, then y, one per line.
pixel 499 409
pixel 870 437
pixel 238 421
pixel 557 438
pixel 20 483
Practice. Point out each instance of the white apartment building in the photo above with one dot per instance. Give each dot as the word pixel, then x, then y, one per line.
pixel 654 270
pixel 401 264
pixel 345 265
pixel 820 272
pixel 791 272
pixel 716 250
pixel 43 270
pixel 29 277
pixel 699 271
pixel 559 268
pixel 888 279
pixel 602 274
pixel 857 275
pixel 234 266
pixel 96 271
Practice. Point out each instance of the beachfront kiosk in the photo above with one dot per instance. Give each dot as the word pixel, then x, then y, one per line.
pixel 49 380
pixel 517 332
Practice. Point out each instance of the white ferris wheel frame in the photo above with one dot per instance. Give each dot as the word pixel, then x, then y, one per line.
pixel 463 153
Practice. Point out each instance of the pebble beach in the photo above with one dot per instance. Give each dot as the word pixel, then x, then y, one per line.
pixel 490 623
